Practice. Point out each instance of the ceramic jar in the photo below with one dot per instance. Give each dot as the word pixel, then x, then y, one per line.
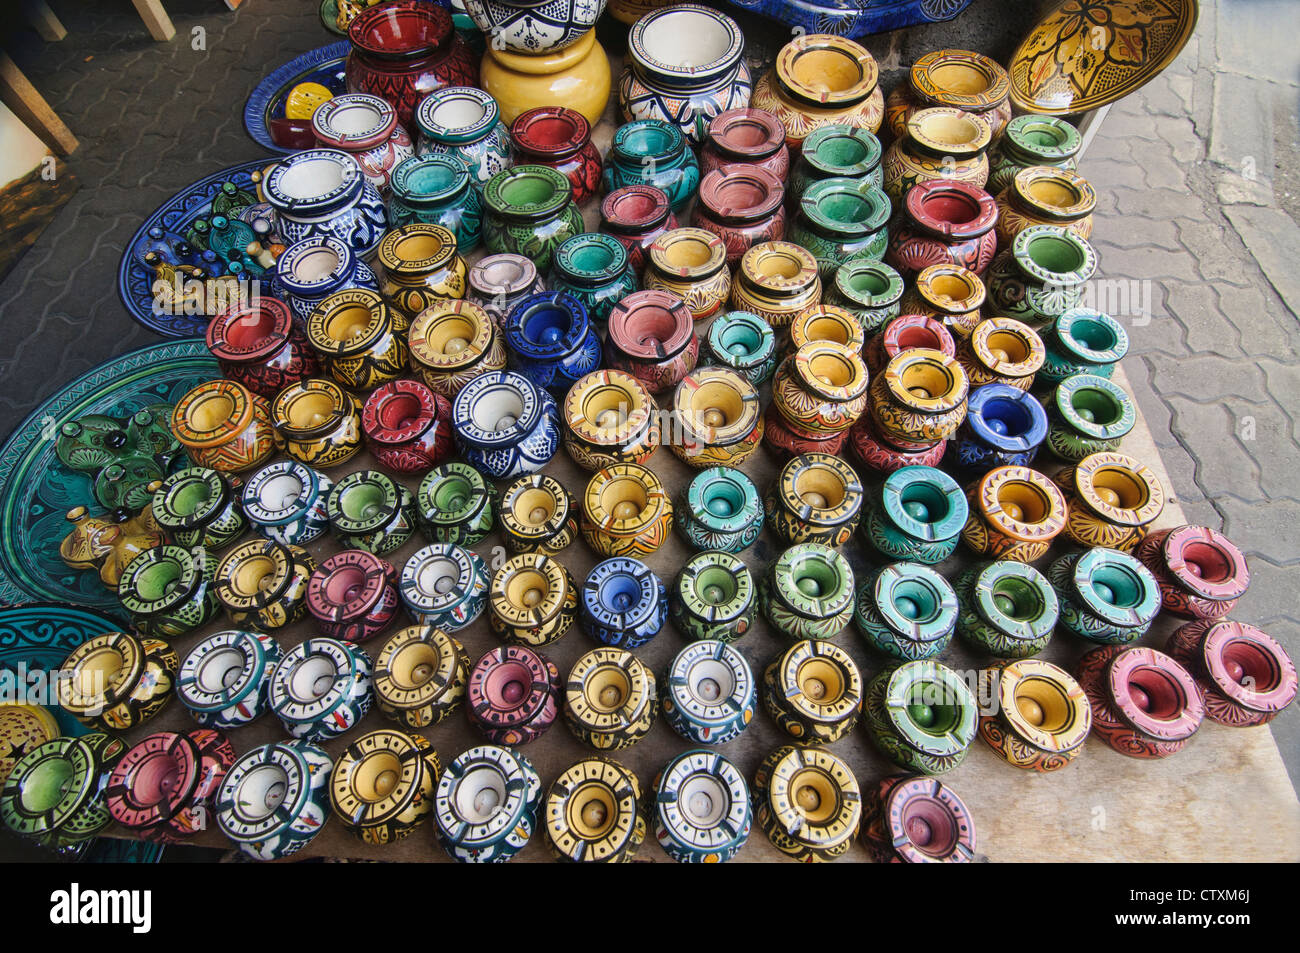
pixel 505 425
pixel 530 212
pixel 437 189
pixel 359 340
pixel 1082 341
pixel 709 695
pixel 244 812
pixel 1201 572
pixel 310 270
pixel 609 418
pixel 713 823
pixel 1106 596
pixel 115 681
pixel 366 128
pixel 1001 351
pixel 406 426
pixel 420 676
pixel 513 695
pixel 382 786
pixel 594 269
pixel 920 397
pixel 259 346
pixel 744 343
pixel 1042 195
pixel 1041 718
pixel 1144 704
pixel 905 333
pixel 454 504
pixel 917 516
pixel 940 143
pixel 916 820
pixel 869 290
pixel 945 222
pixel 720 510
pixel 371 511
pixel 624 604
pixel 51 795
pixel 922 716
pixel 162 787
pixel 1042 275
pixel 199 507
pixel 1088 414
pixel 404 51
pixel 1004 426
pixel 816 498
pixel 1032 140
pixel 959 79
pixel 464 122
pixel 839 221
pixel 807 802
pixel 444 585
pixel 836 151
pixel 718 414
pixel 1112 499
pixel 636 215
pixel 223 681
pixel 949 293
pixel 550 340
pixel 537 515
pixel 610 699
pixel 475 824
pixel 560 138
pixel 167 591
pixel 523 28
pixel 1245 677
pixel 421 268
pixel 224 427
pixel 1007 609
pixel 593 813
pixel 322 193
pixel 1015 513
pixel 625 511
pixel 907 611
pixel 452 343
pixel 321 689
pixel 882 455
pixel 745 136
pixel 577 76
pixel 651 335
pixel 653 152
pixel 691 264
pixel 498 282
pixel 319 422
pixel 821 389
pixel 807 593
pixel 776 280
pixel 820 80
pixel 713 598
pixel 262 584
pixel 533 600
pixel 813 691
pixel 742 205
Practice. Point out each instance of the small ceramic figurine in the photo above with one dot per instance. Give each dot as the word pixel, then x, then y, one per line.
pixel 199 507
pixel 382 786
pixel 250 810
pixel 916 820
pixel 353 595
pixel 625 511
pixel 406 426
pixel 922 716
pixel 163 787
pixel 807 802
pixel 505 425
pixel 718 415
pixel 610 417
pixel 720 509
pixel 813 691
pixel 537 514
pixel 907 611
pixel 224 679
pixel 420 676
pixel 816 498
pixel 1015 513
pixel 321 689
pixel 286 502
pixel 593 813
pixel 167 591
pixel 454 504
pixel 85 764
pixel 486 805
pixel 702 811
pixel 262 583
pixel 624 604
pixel 444 585
pixel 513 695
pixel 709 694
pixel 807 592
pixel 1007 609
pixel 1245 677
pixel 108 544
pixel 1144 704
pixel 610 699
pixel 1041 717
pixel 532 601
pixel 115 681
pixel 319 422
pixel 917 517
pixel 1201 572
pixel 122 456
pixel 714 598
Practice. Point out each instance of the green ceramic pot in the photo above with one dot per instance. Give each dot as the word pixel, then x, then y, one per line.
pixel 54 793
pixel 1007 609
pixel 437 190
pixel 1105 595
pixel 168 590
pixel 918 515
pixel 907 611
pixel 833 152
pixel 922 716
pixel 1031 140
pixel 200 507
pixel 868 289
pixel 454 505
pixel 1041 276
pixel 713 598
pixel 720 509
pixel 370 510
pixel 745 343
pixel 1082 341
pixel 807 593
pixel 530 212
pixel 653 152
pixel 841 220
pixel 594 268
pixel 1088 414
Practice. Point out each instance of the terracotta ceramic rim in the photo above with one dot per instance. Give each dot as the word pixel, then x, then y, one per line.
pixel 674 72
pixel 927 286
pixel 479 497
pixel 893 342
pixel 1023 403
pixel 188 567
pixel 1177 549
pixel 283 574
pixel 1068 389
pixel 371 413
pixel 982 347
pixel 804 358
pixel 384 515
pixel 380 322
pixel 343 407
pixel 820 141
pixel 490 708
pixel 406 189
pixel 614 214
pixel 1131 661
pixel 243 407
pixel 661 248
pixel 941 618
pixel 983 591
pixel 388 254
pixel 567 263
pixel 225 325
pixel 487 276
pixel 878 273
pixel 435 30
pixel 218 495
pixel 835 514
pixel 350 184
pixel 1039 531
pixel 1067 138
pixel 127 648
pixel 724 126
pixel 1223 634
pixel 925 199
pixel 742 517
pixel 621 319
pixel 253 671
pixel 442 678
pixel 128 804
pixel 740 602
pixel 1084 571
pixel 559 194
pixel 894 494
pixel 452 309
pixel 902 686
pixel 823 193
pixel 751 322
pixel 344 681
pixel 801 323
pixel 928 87
pixel 642 405
pixel 345 265
pixel 405 752
pixel 656 500
pixel 922 126
pixel 1072 732
pixel 801 46
pixel 786 569
pixel 562 508
pixel 730 432
pixel 1021 248
pixel 385 117
pixel 456 135
pixel 902 797
pixel 526 128
pixel 1022 193
pixel 1080 348
pixel 950 399
pixel 779 285
pixel 1094 465
pixel 471 579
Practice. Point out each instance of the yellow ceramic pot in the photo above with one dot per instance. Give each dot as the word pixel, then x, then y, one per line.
pixel 820 79
pixel 420 266
pixel 626 511
pixel 941 143
pixel 948 293
pixel 1015 513
pixel 826 322
pixel 692 264
pixel 224 426
pixel 776 280
pixel 452 342
pixel 1112 500
pixel 610 417
pixel 577 77
pixel 720 418
pixel 821 389
pixel 361 340
pixel 1001 351
pixel 319 421
pixel 1045 195
pixel 920 398
pixel 533 600
pixel 960 79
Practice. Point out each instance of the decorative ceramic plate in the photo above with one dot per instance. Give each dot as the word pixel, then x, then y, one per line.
pixel 36 490
pixel 135 281
pixel 1087 53
pixel 322 65
pixel 855 17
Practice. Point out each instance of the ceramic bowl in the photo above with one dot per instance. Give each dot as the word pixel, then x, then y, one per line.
pixel 444 585
pixel 1144 703
pixel 625 511
pixel 319 422
pixel 532 601
pixel 610 417
pixel 816 498
pixel 593 813
pixel 720 509
pixel 454 504
pixel 1007 609
pixel 514 694
pixel 275 799
pixel 262 584
pixel 1105 596
pixel 808 803
pixel 807 592
pixel 197 506
pixel 1201 572
pixel 407 426
pixel 420 676
pixel 916 820
pixel 381 788
pixel 505 425
pixel 353 596
pixel 1042 717
pixel 369 510
pixel 624 604
pixel 813 691
pixel 917 517
pixel 907 611
pixel 714 598
pixel 1244 675
pixel 115 681
pixel 537 514
pixel 718 418
pixel 922 716
pixel 162 787
pixel 223 681
pixel 286 502
pixel 485 807
pixel 610 699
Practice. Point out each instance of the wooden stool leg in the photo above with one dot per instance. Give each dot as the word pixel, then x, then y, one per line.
pixel 156 19
pixel 43 20
pixel 32 109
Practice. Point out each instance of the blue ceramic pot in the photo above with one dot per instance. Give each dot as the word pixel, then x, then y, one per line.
pixel 464 122
pixel 323 192
pixel 745 343
pixel 311 270
pixel 550 341
pixel 907 611
pixel 1004 426
pixel 1105 596
pixel 624 603
pixel 653 152
pixel 701 830
pixel 506 426
pixel 437 190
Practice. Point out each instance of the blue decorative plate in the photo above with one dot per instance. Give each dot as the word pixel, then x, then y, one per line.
pixel 322 65
pixel 135 281
pixel 855 17
pixel 36 490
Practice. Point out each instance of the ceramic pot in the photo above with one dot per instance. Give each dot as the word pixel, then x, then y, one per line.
pixel 1042 275
pixel 920 397
pixel 530 212
pixel 1082 341
pixel 1007 609
pixel 259 346
pixel 224 427
pixel 162 788
pixel 437 189
pixel 882 457
pixel 533 600
pixel 839 221
pixel 816 498
pixel 404 51
pixel 359 340
pixel 653 152
pixel 322 193
pixel 505 426
pixel 940 143
pixel 609 418
pixel 651 335
pixel 1106 596
pixel 1004 426
pixel 550 341
pixel 475 824
pixel 625 511
pixel 807 592
pixel 366 128
pixel 1042 717
pixel 1001 351
pixel 945 222
pixel 199 507
pixel 636 215
pixel 744 343
pixel 959 79
pixel 1144 704
pixel 691 264
pixel 1015 513
pixel 1112 501
pixel 321 689
pixel 532 27
pixel 807 802
pixel 537 515
pixel 951 294
pixel 406 426
pixel 869 290
pixel 444 585
pixel 720 510
pixel 702 812
pixel 115 681
pixel 745 136
pixel 813 691
pixel 167 591
pixel 717 412
pixel 713 598
pixel 905 333
pixel 776 280
pixel 1201 572
pixel 513 695
pixel 498 282
pixel 382 786
pixel 309 271
pixel 262 584
pixel 560 138
pixel 917 516
pixel 916 820
pixel 452 343
pixel 51 795
pixel 1042 195
pixel 594 269
pixel 610 699
pixel 369 510
pixel 786 440
pixel 454 504
pixel 922 716
pixel 223 681
pixel 577 76
pixel 821 389
pixel 820 80
pixel 1087 415
pixel 319 422
pixel 421 268
pixel 1245 677
pixel 593 813
pixel 742 205
pixel 420 676
pixel 1032 140
pixel 709 694
pixel 907 611
pixel 836 151
pixel 624 604
pixel 464 122
pixel 243 808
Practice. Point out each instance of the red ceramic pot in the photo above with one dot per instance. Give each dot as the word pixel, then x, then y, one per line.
pixel 407 427
pixel 903 333
pixel 747 137
pixel 944 222
pixel 1245 677
pixel 784 439
pixel 559 137
pixel 353 595
pixel 1201 572
pixel 1144 704
pixel 636 215
pixel 162 788
pixel 652 337
pixel 404 51
pixel 258 345
pixel 880 456
pixel 743 205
